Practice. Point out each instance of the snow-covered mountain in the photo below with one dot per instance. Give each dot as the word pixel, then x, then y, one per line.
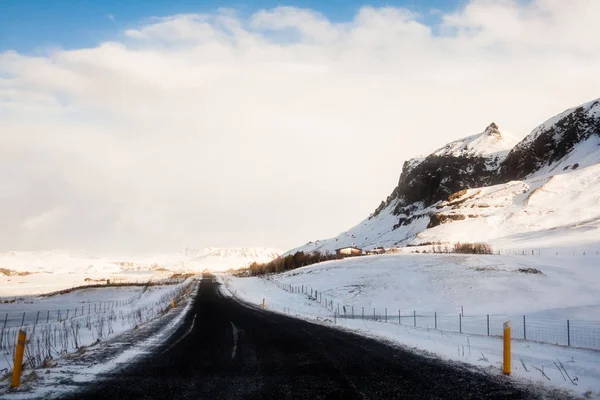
pixel 490 142
pixel 221 259
pixel 543 191
pixel 189 260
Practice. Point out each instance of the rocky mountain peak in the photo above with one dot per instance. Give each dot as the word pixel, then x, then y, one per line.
pixel 492 130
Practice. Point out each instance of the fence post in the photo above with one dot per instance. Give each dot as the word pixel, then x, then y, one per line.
pixel 352 312
pixel 37 317
pixel 568 333
pixel 415 317
pixel 75 312
pixel 374 318
pixel 399 317
pixel 524 329
pixel 16 377
pixel 386 315
pixel 460 323
pixel 363 313
pixel 2 332
pixel 435 320
pixel 23 319
pixel 488 324
pixel 67 317
pixel 506 348
pixel 48 317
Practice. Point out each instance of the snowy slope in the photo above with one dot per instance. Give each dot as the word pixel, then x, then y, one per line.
pixel 555 204
pixel 489 142
pixel 564 140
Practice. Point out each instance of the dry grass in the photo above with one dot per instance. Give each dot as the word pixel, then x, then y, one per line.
pixel 472 248
pixel 533 271
pixel 457 195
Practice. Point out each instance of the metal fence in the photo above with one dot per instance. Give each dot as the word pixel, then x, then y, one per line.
pixel 19 318
pixel 24 311
pixel 563 332
pixel 55 332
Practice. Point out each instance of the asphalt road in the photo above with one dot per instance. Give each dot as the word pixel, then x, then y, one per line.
pixel 227 350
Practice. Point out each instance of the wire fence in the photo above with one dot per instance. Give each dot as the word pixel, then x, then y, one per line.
pixel 547 252
pixel 20 311
pixel 64 331
pixel 11 319
pixel 563 332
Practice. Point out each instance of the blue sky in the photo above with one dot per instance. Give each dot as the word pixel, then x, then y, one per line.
pixel 27 25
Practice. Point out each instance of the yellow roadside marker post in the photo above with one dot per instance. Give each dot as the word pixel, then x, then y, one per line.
pixel 263 303
pixel 506 351
pixel 16 377
pixel 173 303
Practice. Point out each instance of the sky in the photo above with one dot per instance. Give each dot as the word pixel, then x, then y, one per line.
pixel 149 126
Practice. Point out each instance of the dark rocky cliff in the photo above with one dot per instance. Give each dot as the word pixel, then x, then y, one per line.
pixel 550 142
pixel 469 163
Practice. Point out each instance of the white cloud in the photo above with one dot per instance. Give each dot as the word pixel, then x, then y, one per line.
pixel 47 220
pixel 272 130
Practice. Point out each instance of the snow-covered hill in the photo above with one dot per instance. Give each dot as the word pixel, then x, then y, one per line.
pixel 222 259
pixel 466 191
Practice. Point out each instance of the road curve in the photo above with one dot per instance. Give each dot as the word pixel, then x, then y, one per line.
pixel 227 350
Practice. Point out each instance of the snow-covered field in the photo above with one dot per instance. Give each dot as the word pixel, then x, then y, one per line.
pixel 435 289
pixel 25 273
pixel 94 315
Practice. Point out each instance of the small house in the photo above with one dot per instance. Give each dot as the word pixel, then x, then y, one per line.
pixel 348 251
pixel 377 250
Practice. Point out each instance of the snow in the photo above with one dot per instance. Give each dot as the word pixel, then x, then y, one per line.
pixel 489 142
pixel 591 108
pixel 49 307
pixel 529 214
pixel 585 154
pixel 436 288
pixel 68 376
pixel 222 259
pixel 106 312
pixel 50 271
pixel 486 284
